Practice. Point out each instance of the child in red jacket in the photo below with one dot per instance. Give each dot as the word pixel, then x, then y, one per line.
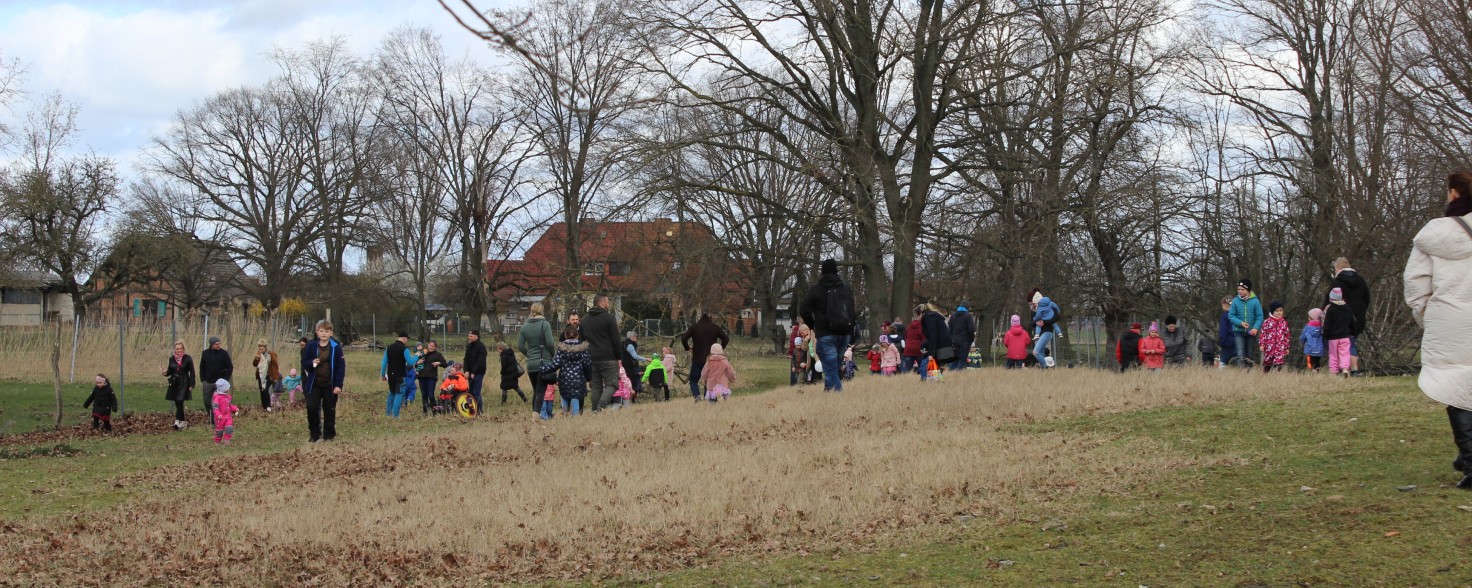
pixel 1152 349
pixel 1017 342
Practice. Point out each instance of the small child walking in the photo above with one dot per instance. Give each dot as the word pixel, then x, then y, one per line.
pixel 874 357
pixel 718 375
pixel 1338 327
pixel 1152 349
pixel 103 401
pixel 549 398
pixel 889 356
pixel 625 391
pixel 1016 341
pixel 292 383
pixel 656 378
pixel 572 365
pixel 1313 340
pixel 224 410
pixel 1207 345
pixel 1274 338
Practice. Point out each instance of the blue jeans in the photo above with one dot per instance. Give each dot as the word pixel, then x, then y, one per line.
pixel 1042 344
pixel 963 355
pixel 909 364
pixel 695 369
pixel 829 353
pixel 572 406
pixel 395 397
pixel 1246 346
pixel 475 381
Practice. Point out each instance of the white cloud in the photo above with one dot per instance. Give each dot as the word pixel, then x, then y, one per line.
pixel 132 65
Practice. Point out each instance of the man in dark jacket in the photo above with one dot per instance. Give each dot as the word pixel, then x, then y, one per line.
pixel 937 338
pixel 697 340
pixel 829 309
pixel 395 369
pixel 214 364
pixel 963 334
pixel 1127 352
pixel 475 366
pixel 1357 297
pixel 600 332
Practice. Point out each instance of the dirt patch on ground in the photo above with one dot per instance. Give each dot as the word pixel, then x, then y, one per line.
pixel 133 424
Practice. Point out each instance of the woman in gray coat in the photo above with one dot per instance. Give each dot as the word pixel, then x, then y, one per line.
pixel 538 344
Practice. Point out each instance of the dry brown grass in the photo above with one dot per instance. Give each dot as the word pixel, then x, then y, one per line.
pixel 145 348
pixel 658 487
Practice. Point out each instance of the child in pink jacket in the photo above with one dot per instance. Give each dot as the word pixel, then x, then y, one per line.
pixel 889 356
pixel 224 409
pixel 625 392
pixel 718 374
pixel 1017 341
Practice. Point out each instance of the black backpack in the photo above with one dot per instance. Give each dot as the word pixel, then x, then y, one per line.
pixel 838 307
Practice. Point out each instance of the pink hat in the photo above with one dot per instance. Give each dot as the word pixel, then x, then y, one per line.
pixel 1154 327
pixel 1016 320
pixel 1315 314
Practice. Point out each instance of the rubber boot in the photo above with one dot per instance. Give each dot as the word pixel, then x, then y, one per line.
pixel 1461 421
pixel 523 396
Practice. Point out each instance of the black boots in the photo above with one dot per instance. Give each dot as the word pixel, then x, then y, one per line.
pixel 1461 421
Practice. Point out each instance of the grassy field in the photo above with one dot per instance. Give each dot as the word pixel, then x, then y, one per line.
pixel 992 477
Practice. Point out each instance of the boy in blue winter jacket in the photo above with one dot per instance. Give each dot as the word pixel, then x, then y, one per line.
pixel 1247 316
pixel 1224 337
pixel 1313 340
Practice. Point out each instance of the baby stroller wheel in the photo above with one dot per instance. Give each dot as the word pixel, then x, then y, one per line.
pixel 465 406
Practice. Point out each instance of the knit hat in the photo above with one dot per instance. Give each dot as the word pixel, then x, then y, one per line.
pixel 1245 283
pixel 214 340
pixel 1016 320
pixel 1037 297
pixel 1154 327
pixel 474 332
pixel 884 338
pixel 1274 306
pixel 402 335
pixel 1315 314
pixel 829 266
pixel 716 349
pixel 1135 326
pixel 960 309
pixel 1336 295
pixel 222 386
pixel 1170 319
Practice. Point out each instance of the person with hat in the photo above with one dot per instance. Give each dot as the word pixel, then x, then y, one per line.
pixel 829 308
pixel 963 334
pixel 1152 349
pixel 1127 351
pixel 1016 341
pixel 1338 328
pixel 222 406
pixel 475 367
pixel 1045 315
pixel 1177 350
pixel 1275 337
pixel 1357 296
pixel 1313 340
pixel 1246 317
pixel 214 365
pixel 394 369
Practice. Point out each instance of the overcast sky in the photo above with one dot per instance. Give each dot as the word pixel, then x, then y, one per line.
pixel 132 64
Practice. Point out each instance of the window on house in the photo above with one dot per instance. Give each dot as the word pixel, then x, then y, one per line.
pixel 675 265
pixel 19 296
pixel 619 268
pixel 594 268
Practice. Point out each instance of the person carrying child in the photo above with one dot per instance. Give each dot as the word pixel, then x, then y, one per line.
pixel 1313 340
pixel 1274 338
pixel 427 373
pixel 224 410
pixel 718 374
pixel 573 366
pixel 656 378
pixel 1016 341
pixel 103 401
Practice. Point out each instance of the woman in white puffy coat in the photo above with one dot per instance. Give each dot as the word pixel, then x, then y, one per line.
pixel 1438 282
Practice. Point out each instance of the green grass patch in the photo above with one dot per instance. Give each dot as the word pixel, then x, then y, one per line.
pixel 1311 492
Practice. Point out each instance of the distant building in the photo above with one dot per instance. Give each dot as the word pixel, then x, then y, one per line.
pixel 29 299
pixel 650 269
pixel 212 280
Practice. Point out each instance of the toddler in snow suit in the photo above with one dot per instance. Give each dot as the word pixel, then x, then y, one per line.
pixel 549 398
pixel 1313 340
pixel 1152 349
pixel 1274 338
pixel 103 402
pixel 889 356
pixel 224 410
pixel 293 384
pixel 573 367
pixel 874 356
pixel 625 391
pixel 718 374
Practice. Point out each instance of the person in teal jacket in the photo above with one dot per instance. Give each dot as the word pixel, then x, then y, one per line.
pixel 1246 316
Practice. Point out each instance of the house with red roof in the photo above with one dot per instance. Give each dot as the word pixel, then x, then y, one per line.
pixel 658 269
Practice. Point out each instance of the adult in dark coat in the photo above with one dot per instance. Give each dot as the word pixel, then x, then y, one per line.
pixel 1357 297
pixel 214 365
pixel 963 334
pixel 697 340
pixel 631 360
pixel 180 371
pixel 510 373
pixel 427 372
pixel 394 368
pixel 600 332
pixel 938 344
pixel 832 327
pixel 475 366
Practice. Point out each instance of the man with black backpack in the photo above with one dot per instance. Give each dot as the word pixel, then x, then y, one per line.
pixel 829 308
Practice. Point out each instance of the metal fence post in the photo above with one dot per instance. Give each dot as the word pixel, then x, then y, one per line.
pixel 122 377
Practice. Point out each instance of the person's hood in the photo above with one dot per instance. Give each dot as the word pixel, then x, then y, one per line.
pixel 716 359
pixel 1044 301
pixel 1017 329
pixel 830 281
pixel 1351 279
pixel 534 319
pixel 1315 323
pixel 572 346
pixel 596 310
